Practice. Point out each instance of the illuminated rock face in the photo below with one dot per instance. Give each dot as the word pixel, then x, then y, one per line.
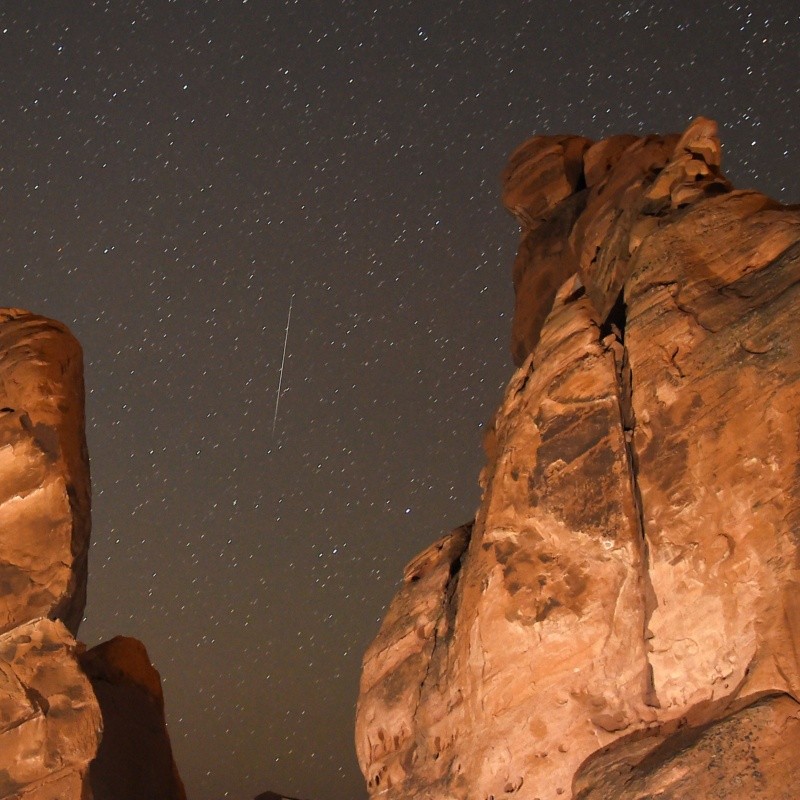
pixel 44 473
pixel 622 620
pixel 50 720
pixel 49 717
pixel 58 702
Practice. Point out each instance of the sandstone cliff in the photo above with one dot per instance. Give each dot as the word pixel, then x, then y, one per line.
pixel 622 620
pixel 56 700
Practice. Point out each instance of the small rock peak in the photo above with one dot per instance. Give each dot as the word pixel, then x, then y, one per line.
pixel 124 659
pixel 540 174
pixel 701 139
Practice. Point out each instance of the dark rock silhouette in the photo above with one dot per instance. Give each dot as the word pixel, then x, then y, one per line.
pixel 135 756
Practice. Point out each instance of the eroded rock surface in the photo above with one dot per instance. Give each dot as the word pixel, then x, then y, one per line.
pixel 623 618
pixel 44 472
pixel 49 717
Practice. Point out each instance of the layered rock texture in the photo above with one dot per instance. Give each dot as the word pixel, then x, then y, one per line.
pixel 49 718
pixel 67 718
pixel 622 619
pixel 44 472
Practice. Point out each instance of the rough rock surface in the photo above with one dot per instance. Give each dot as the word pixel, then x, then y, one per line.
pixel 135 756
pixel 44 472
pixel 622 620
pixel 51 716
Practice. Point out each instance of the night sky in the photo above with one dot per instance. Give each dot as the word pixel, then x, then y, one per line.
pixel 174 173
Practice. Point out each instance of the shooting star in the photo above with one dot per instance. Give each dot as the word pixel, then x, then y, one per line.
pixel 283 362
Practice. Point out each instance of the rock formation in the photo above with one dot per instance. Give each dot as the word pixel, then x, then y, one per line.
pixel 55 700
pixel 49 717
pixel 135 756
pixel 44 472
pixel 622 620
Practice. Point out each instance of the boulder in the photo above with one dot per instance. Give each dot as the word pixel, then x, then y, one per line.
pixel 135 755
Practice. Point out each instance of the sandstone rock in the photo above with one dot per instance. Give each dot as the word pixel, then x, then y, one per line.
pixel 44 473
pixel 748 753
pixel 396 664
pixel 623 619
pixel 135 756
pixel 542 172
pixel 49 717
pixel 545 259
pixel 601 238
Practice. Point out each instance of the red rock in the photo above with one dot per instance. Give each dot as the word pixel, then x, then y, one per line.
pixel 135 756
pixel 748 753
pixel 541 173
pixel 602 156
pixel 398 661
pixel 545 259
pixel 49 717
pixel 44 472
pixel 623 619
pixel 601 237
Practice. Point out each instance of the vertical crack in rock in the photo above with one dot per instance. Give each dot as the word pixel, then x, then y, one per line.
pixel 615 324
pixel 443 630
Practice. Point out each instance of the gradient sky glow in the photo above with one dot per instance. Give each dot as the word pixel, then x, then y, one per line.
pixel 172 173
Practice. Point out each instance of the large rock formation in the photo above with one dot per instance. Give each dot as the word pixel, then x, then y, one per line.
pixel 49 717
pixel 52 714
pixel 44 472
pixel 622 620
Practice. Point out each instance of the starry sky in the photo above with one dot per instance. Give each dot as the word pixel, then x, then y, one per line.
pixel 173 174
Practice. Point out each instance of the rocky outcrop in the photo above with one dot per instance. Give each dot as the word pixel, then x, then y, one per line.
pixel 44 472
pixel 623 618
pixel 52 716
pixel 49 717
pixel 135 755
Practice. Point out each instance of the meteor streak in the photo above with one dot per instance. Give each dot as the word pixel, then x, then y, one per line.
pixel 283 361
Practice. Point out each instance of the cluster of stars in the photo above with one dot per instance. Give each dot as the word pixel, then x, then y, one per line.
pixel 172 177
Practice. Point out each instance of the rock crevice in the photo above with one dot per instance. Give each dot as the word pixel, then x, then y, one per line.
pixel 612 333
